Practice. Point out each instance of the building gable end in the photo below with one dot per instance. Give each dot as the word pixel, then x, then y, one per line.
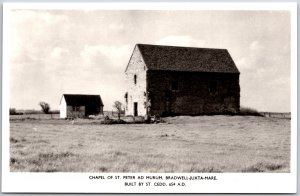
pixel 61 99
pixel 136 58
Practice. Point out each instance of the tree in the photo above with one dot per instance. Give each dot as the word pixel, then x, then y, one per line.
pixel 45 107
pixel 118 106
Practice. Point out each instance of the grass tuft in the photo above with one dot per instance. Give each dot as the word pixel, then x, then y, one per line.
pixel 55 156
pixel 103 169
pixel 273 167
pixel 13 161
pixel 51 170
pixel 36 162
pixel 13 140
pixel 253 169
pixel 263 167
pixel 119 153
pixel 164 135
pixel 208 170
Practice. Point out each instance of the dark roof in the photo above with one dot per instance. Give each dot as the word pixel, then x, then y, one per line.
pixel 80 100
pixel 173 58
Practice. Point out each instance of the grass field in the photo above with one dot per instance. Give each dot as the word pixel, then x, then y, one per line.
pixel 182 144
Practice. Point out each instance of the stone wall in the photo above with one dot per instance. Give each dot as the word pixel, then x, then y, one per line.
pixel 136 91
pixel 188 93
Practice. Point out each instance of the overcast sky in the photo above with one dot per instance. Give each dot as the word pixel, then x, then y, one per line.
pixel 86 52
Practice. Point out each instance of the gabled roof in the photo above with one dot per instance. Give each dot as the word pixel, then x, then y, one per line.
pixel 81 100
pixel 173 58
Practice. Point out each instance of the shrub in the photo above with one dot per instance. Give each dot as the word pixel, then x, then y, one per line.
pixel 112 121
pixel 246 111
pixel 12 111
pixel 45 107
pixel 118 106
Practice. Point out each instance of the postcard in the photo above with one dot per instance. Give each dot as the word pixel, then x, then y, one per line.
pixel 149 97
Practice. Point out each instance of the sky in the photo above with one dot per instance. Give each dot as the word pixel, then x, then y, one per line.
pixel 53 52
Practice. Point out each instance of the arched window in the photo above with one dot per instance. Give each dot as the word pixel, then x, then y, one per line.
pixel 134 78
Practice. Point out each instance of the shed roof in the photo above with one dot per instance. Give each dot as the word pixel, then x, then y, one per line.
pixel 174 58
pixel 80 100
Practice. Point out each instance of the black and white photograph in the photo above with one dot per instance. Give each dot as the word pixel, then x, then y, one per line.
pixel 167 92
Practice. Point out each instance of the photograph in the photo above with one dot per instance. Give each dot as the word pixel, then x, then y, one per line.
pixel 155 91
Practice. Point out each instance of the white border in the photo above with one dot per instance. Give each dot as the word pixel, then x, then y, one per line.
pixel 153 6
pixel 80 183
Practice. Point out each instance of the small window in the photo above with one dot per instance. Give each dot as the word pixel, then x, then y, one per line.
pixel 75 108
pixel 134 78
pixel 174 85
pixel 126 97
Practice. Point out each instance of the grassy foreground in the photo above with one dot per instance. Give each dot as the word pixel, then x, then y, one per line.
pixel 183 144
